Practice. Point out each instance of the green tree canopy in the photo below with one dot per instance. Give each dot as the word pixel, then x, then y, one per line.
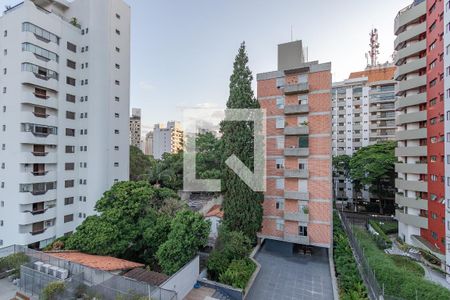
pixel 188 232
pixel 374 165
pixel 140 164
pixel 242 206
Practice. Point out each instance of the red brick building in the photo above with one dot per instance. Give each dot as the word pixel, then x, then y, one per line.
pixel 297 99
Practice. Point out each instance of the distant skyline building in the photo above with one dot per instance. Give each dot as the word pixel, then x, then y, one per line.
pixel 363 115
pixel 148 143
pixel 167 138
pixel 298 201
pixel 135 128
pixel 64 112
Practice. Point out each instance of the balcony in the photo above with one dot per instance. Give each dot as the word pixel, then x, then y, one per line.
pixel 410 185
pixel 411 202
pixel 298 130
pixel 38 80
pixel 295 195
pixel 413 134
pixel 37 196
pixel 299 152
pixel 408 15
pixel 296 174
pixel 39 154
pixel 410 84
pixel 411 151
pixel 411 100
pixel 411 168
pixel 411 33
pixel 296 109
pixel 411 50
pixel 296 239
pixel 416 221
pixel 409 67
pixel 30 217
pixel 296 216
pixel 412 117
pixel 296 88
pixel 36 99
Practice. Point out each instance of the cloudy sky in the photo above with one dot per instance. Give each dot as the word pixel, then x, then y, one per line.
pixel 183 50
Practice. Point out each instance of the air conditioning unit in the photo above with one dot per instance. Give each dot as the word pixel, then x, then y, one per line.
pixel 38 265
pixel 44 268
pixel 62 273
pixel 52 271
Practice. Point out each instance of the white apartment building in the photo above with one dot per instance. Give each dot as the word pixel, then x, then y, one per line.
pixel 148 143
pixel 167 139
pixel 135 128
pixel 64 114
pixel 363 115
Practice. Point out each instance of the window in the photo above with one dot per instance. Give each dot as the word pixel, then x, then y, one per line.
pixel 279 205
pixel 116 115
pixel 70 81
pixel 280 102
pixel 279 122
pixel 117 82
pixel 117 31
pixel 302 230
pixel 70 149
pixel 70 132
pixel 69 183
pixel 116 131
pixel 303 99
pixel 279 163
pixel 68 201
pixel 116 164
pixel 117 49
pixel 71 47
pixel 280 82
pixel 71 64
pixel 70 98
pixel 5 33
pixel 279 183
pixel 303 141
pixel 280 225
pixel 117 66
pixel 70 115
pixel 117 99
pixel 40 52
pixel 69 166
pixel 68 218
pixel 280 142
pixel 117 16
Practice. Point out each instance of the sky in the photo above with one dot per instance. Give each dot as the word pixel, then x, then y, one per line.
pixel 182 51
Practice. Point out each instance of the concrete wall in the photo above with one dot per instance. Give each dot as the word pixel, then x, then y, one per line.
pixel 183 281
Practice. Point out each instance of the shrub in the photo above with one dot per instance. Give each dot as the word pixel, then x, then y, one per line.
pixel 238 273
pixel 231 245
pixel 397 280
pixel 350 283
pixel 382 240
pixel 13 262
pixel 52 290
pixel 388 227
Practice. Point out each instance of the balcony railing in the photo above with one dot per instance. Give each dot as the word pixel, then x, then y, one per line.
pixel 41 115
pixel 37 153
pixel 41 96
pixel 36 232
pixel 39 173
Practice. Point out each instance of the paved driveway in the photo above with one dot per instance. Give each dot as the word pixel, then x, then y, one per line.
pixel 7 289
pixel 292 278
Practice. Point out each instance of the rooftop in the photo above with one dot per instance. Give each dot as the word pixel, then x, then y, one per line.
pixel 104 263
pixel 373 74
pixel 215 211
pixel 150 277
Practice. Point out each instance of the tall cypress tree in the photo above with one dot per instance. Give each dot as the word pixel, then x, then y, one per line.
pixel 242 206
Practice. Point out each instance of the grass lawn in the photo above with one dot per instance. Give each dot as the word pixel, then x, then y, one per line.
pixel 401 279
pixel 408 265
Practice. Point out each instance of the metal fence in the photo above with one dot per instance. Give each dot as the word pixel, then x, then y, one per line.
pixel 96 283
pixel 376 291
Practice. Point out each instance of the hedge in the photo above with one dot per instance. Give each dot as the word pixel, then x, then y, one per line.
pixel 13 262
pixel 397 280
pixel 349 280
pixel 238 273
pixel 382 240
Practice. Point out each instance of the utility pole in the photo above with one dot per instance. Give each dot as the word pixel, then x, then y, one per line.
pixel 374 47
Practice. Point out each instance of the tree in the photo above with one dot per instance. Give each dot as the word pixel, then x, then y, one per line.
pixel 208 156
pixel 168 171
pixel 230 245
pixel 188 233
pixel 242 206
pixel 126 211
pixel 341 165
pixel 375 166
pixel 140 164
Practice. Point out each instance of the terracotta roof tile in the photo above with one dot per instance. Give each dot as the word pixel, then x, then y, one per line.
pixel 150 277
pixel 375 74
pixel 215 211
pixel 104 263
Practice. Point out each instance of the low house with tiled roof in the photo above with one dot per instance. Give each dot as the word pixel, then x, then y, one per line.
pixel 98 262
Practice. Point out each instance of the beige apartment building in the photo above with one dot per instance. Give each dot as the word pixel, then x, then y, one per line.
pixel 167 138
